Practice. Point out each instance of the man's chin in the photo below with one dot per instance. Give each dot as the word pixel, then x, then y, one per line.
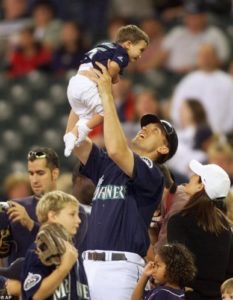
pixel 38 193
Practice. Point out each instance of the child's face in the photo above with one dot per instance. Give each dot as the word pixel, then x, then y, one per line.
pixel 159 273
pixel 227 296
pixel 135 50
pixel 69 218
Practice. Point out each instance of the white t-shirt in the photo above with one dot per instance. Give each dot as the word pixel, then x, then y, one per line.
pixel 214 90
pixel 183 45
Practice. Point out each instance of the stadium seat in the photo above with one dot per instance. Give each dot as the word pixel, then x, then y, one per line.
pixel 28 125
pixel 20 96
pixel 57 94
pixel 12 140
pixel 52 138
pixel 44 109
pixel 6 111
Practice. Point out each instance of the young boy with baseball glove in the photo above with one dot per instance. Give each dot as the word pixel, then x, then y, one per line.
pixel 49 270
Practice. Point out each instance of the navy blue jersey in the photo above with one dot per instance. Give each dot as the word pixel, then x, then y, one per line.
pixel 34 272
pixel 105 51
pixel 164 293
pixel 82 285
pixel 21 236
pixel 122 207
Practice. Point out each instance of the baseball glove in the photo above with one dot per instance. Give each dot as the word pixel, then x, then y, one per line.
pixel 50 244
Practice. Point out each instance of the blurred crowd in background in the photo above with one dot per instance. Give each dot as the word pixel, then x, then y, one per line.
pixel 185 76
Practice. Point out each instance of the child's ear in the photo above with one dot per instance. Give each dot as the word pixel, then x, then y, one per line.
pixel 51 216
pixel 127 44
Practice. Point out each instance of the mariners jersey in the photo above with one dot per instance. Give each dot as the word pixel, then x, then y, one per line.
pixel 105 51
pixel 34 272
pixel 164 293
pixel 122 207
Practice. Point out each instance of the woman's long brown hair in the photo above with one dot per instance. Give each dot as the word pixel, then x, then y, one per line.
pixel 208 216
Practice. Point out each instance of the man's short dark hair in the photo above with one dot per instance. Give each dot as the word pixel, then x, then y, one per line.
pixel 49 154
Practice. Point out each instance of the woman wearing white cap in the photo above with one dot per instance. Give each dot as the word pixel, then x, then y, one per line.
pixel 205 230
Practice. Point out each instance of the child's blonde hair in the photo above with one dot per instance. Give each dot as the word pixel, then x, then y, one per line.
pixel 53 201
pixel 131 33
pixel 227 286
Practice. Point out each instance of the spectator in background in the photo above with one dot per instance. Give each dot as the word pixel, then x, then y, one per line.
pixel 28 56
pixel 124 98
pixel 131 10
pixel 221 153
pixel 146 102
pixel 20 218
pixel 181 44
pixel 71 49
pixel 47 27
pixel 64 183
pixel 203 228
pixel 169 10
pixel 14 18
pixel 154 29
pixel 14 9
pixel 212 87
pixel 194 136
pixel 113 26
pixel 43 170
pixel 17 185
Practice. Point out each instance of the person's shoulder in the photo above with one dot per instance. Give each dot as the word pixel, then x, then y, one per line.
pixel 177 31
pixel 108 45
pixel 148 162
pixel 148 167
pixel 190 77
pixel 214 30
pixel 224 76
pixel 26 200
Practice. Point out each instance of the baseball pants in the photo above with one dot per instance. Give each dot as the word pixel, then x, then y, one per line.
pixel 112 274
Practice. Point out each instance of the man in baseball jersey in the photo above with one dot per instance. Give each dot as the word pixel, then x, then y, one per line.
pixel 129 187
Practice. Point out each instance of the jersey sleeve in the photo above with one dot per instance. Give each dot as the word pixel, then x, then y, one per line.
pixel 33 274
pixel 146 176
pixel 121 58
pixel 95 164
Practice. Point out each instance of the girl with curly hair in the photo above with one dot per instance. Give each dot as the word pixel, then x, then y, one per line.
pixel 172 269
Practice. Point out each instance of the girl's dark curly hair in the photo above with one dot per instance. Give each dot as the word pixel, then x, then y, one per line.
pixel 180 266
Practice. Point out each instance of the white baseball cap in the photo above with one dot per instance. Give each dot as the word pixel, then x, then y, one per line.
pixel 216 181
